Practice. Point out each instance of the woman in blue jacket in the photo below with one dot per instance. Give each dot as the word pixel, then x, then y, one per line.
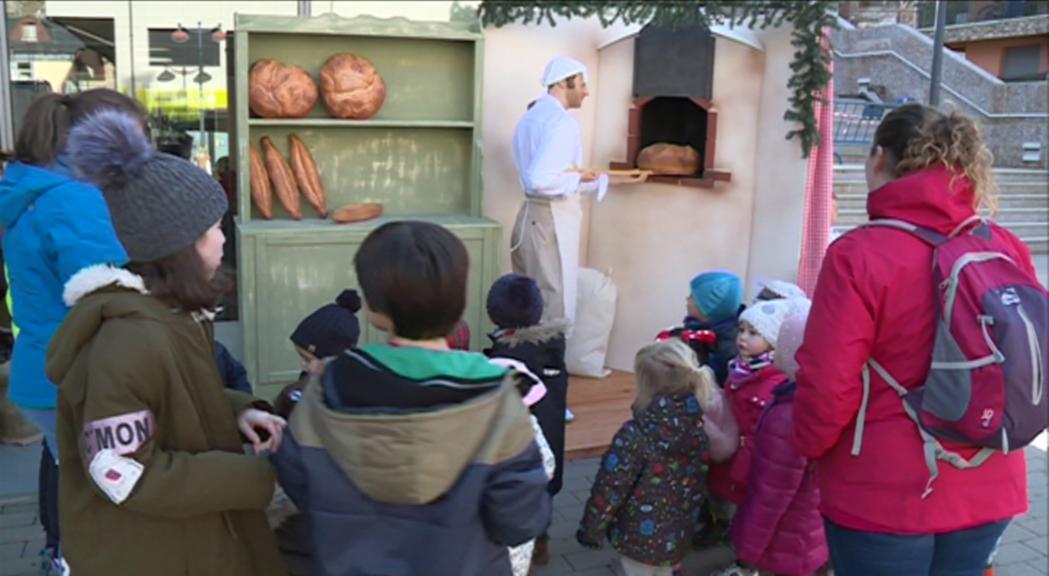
pixel 56 229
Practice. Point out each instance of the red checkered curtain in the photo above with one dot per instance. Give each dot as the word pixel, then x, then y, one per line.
pixel 815 234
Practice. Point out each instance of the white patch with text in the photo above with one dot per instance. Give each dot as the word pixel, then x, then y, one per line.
pixel 114 474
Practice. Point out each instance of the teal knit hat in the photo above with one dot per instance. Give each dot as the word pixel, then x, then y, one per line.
pixel 718 295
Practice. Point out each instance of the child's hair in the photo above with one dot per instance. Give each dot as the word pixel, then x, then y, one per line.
pixel 183 278
pixel 415 274
pixel 50 118
pixel 670 368
pixel 918 136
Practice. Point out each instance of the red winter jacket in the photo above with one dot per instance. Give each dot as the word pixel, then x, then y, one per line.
pixel 875 299
pixel 778 528
pixel 747 396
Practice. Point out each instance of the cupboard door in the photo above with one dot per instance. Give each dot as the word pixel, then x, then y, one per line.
pixel 296 274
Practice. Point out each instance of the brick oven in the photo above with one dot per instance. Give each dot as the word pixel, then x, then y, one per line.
pixel 673 81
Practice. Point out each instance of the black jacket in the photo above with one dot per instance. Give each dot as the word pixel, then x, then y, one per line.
pixel 542 349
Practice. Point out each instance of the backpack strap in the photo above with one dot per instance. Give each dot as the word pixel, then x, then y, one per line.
pixel 951 284
pixel 982 229
pixel 931 447
pixel 934 239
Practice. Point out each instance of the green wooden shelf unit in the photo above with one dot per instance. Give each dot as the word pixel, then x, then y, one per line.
pixel 420 156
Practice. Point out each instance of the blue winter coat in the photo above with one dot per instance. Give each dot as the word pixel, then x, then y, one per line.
pixel 407 461
pixel 54 226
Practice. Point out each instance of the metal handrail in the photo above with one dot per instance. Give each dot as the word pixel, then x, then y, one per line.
pixel 856 120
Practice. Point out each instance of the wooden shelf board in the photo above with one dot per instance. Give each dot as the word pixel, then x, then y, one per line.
pixel 314 223
pixel 339 123
pixel 709 178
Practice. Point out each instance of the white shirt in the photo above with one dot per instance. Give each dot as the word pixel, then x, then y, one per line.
pixel 547 144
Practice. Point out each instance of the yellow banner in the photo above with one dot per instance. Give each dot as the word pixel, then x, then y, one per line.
pixel 178 103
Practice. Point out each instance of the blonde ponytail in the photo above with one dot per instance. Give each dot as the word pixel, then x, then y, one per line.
pixel 669 368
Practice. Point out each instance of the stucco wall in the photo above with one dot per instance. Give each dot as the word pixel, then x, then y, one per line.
pixel 655 237
pixel 779 204
pixel 513 69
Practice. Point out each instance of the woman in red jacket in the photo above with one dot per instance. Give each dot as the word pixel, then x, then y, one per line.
pixel 875 299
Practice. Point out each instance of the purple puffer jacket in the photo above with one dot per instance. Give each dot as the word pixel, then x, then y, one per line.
pixel 778 528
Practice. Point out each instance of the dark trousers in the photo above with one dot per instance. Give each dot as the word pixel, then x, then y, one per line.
pixel 960 553
pixel 550 412
pixel 47 485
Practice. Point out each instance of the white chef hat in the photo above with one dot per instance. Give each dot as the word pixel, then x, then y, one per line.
pixel 563 67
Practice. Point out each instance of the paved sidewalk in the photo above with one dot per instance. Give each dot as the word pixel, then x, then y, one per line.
pixel 1024 552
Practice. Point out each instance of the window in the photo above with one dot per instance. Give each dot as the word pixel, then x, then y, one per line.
pixel 1022 63
pixel 172 56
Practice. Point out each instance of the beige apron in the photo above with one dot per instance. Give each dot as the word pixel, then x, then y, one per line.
pixel 545 246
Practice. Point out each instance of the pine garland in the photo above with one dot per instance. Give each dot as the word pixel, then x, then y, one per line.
pixel 809 17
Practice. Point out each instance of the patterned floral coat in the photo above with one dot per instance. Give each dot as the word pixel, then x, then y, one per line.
pixel 647 494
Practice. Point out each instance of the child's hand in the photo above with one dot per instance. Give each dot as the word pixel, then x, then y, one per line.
pixel 586 542
pixel 253 421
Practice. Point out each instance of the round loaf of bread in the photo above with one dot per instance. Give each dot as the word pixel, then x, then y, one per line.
pixel 351 87
pixel 669 159
pixel 277 90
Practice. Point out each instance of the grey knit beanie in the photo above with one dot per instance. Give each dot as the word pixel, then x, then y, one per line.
pixel 159 203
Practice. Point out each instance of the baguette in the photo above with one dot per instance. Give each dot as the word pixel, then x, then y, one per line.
pixel 357 212
pixel 306 175
pixel 282 178
pixel 261 192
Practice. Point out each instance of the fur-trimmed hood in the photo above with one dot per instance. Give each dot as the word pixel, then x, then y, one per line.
pixel 537 334
pixel 99 276
pixel 100 294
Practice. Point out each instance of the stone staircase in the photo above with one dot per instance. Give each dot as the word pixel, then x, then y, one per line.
pixel 1023 203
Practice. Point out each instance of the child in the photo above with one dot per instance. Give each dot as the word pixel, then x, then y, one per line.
pixel 647 495
pixel 154 475
pixel 406 457
pixel 781 290
pixel 532 391
pixel 778 528
pixel 231 371
pixel 322 335
pixel 515 306
pixel 748 390
pixel 713 304
pixel 459 337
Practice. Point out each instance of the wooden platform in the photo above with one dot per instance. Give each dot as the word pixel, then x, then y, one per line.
pixel 600 407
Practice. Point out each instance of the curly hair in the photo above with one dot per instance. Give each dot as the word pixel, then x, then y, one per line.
pixel 918 136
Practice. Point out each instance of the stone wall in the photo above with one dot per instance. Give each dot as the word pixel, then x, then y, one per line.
pixel 992 29
pixel 899 58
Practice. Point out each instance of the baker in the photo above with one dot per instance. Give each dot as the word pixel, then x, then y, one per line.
pixel 548 152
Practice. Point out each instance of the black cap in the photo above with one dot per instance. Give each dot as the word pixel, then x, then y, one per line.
pixel 332 328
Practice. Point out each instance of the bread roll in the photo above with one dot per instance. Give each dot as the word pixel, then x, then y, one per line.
pixel 278 90
pixel 351 87
pixel 669 159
